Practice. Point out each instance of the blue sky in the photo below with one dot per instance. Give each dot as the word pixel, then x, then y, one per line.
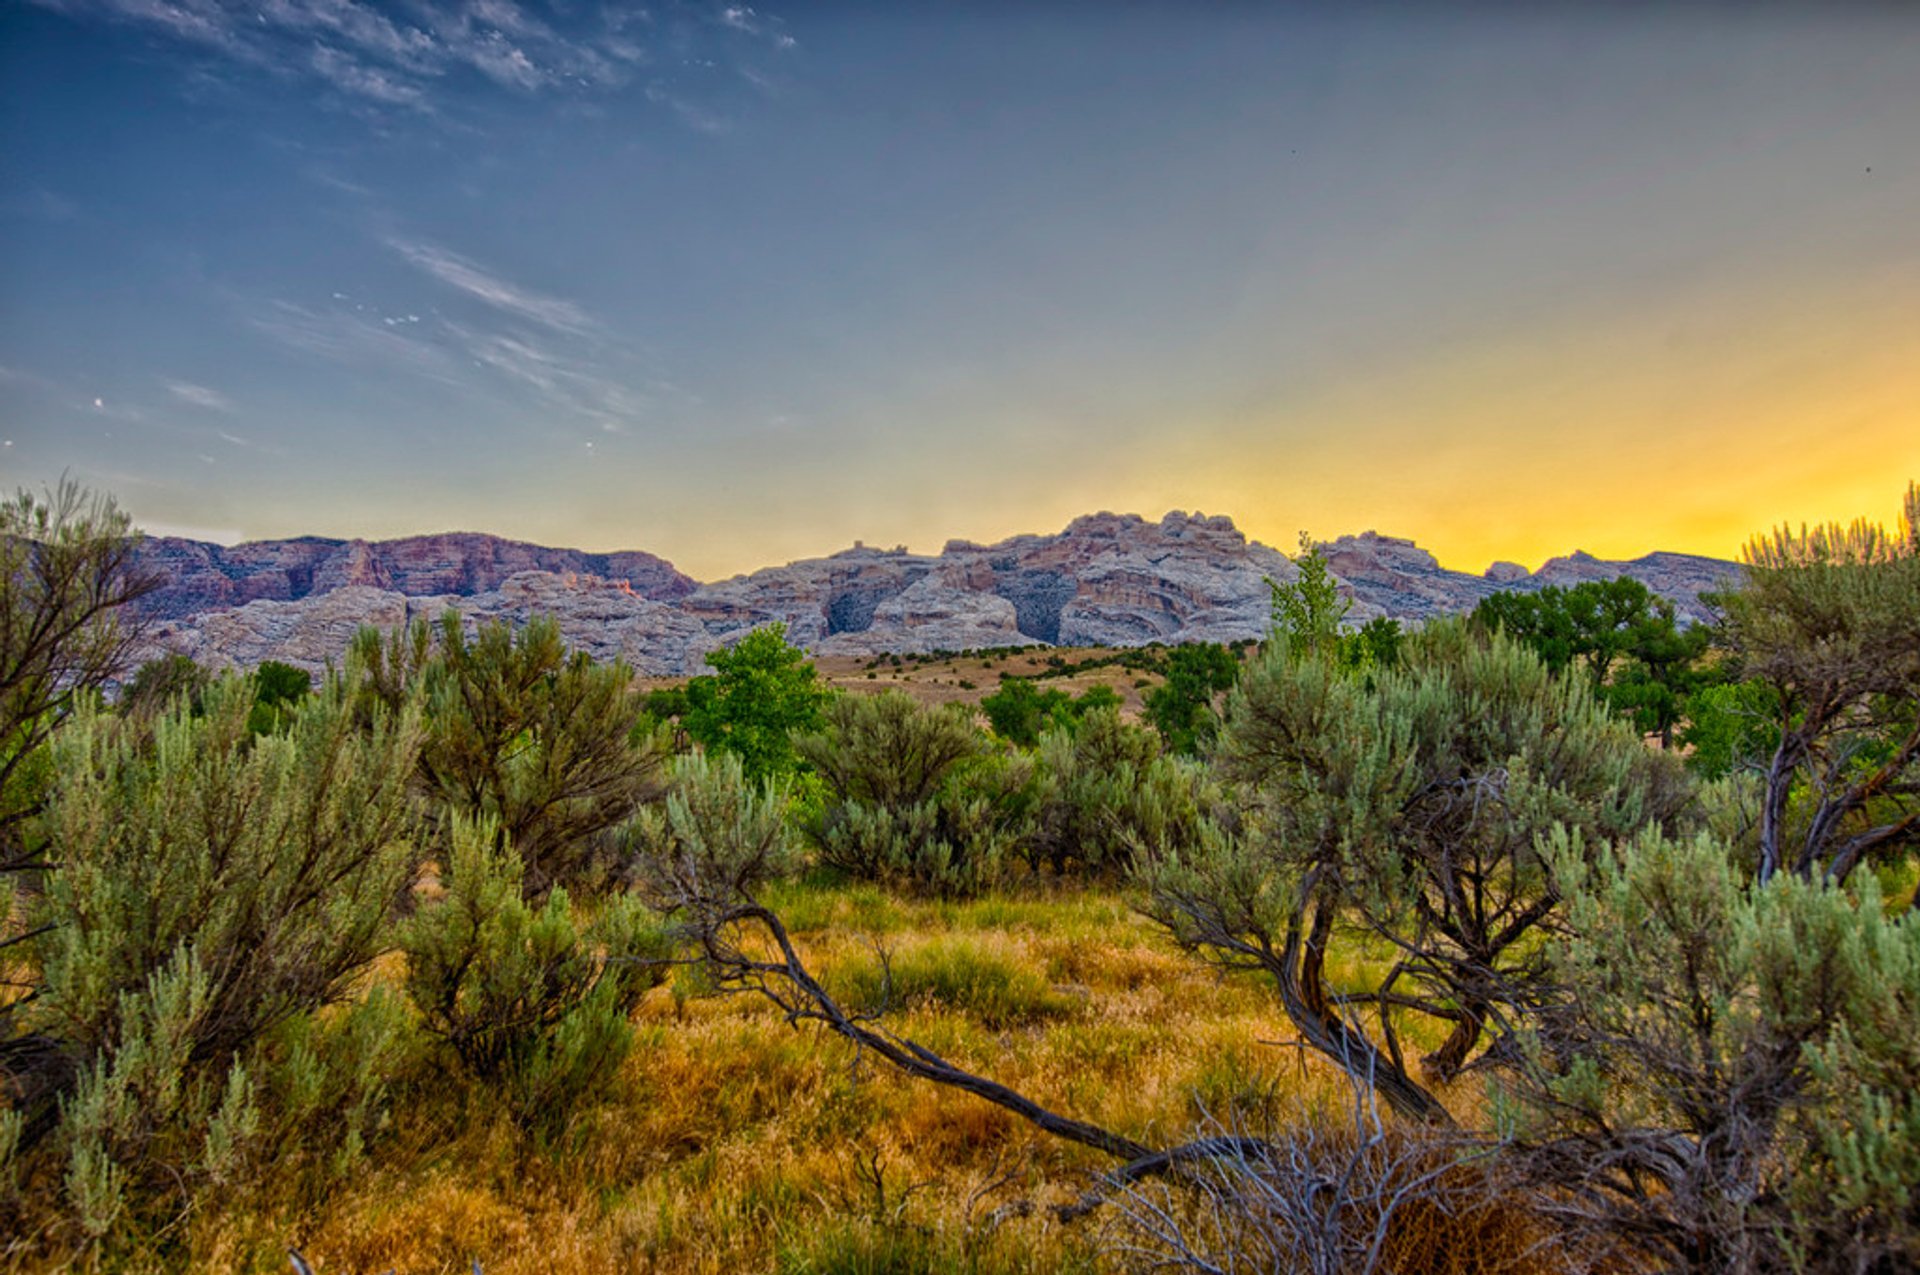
pixel 736 285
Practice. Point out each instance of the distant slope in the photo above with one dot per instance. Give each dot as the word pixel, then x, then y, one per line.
pixel 1105 580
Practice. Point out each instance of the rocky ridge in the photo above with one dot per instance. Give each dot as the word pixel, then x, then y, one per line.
pixel 1106 580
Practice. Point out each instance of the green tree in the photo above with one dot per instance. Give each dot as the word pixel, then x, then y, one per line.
pixel 1624 638
pixel 1825 620
pixel 277 688
pixel 760 692
pixel 1308 612
pixel 161 680
pixel 1182 708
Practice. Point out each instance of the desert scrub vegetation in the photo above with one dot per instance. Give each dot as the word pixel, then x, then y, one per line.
pixel 1386 951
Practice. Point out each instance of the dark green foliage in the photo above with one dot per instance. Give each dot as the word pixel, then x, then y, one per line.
pixel 521 732
pixel 1621 635
pixel 1182 709
pixel 214 888
pixel 156 684
pixel 917 796
pixel 1020 710
pixel 761 692
pixel 1733 728
pixel 277 688
pixel 1106 792
pixel 527 999
pixel 1374 645
pixel 666 704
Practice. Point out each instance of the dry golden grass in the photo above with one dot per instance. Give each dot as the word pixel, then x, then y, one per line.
pixel 735 1142
pixel 968 679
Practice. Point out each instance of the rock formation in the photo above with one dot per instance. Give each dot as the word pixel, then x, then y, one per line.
pixel 1106 580
pixel 203 576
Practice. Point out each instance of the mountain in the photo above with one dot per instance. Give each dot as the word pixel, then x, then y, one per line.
pixel 1105 580
pixel 203 577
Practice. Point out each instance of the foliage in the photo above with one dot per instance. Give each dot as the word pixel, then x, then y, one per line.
pixel 716 825
pixel 214 888
pixel 1021 709
pixel 277 688
pixel 67 576
pixel 161 680
pixel 1825 621
pixel 521 732
pixel 917 795
pixel 1732 728
pixel 1624 637
pixel 1737 1090
pixel 1182 708
pixel 528 999
pixel 1308 613
pixel 760 692
pixel 1106 792
pixel 1405 808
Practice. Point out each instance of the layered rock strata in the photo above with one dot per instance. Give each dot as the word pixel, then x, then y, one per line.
pixel 1106 580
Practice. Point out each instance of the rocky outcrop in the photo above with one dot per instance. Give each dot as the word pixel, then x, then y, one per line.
pixel 204 576
pixel 1106 580
pixel 606 619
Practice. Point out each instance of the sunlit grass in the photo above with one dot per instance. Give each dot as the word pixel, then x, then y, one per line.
pixel 736 1142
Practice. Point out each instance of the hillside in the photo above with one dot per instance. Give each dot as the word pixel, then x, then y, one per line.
pixel 1106 580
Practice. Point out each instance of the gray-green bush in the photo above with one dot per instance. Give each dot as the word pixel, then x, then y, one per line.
pixel 918 797
pixel 214 889
pixel 528 998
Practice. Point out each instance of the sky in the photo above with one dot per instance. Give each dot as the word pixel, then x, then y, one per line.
pixel 739 285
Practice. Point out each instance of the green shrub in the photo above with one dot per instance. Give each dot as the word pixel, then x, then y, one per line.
pixel 541 741
pixel 1106 791
pixel 1739 1087
pixel 917 796
pixel 215 890
pixel 715 826
pixel 529 999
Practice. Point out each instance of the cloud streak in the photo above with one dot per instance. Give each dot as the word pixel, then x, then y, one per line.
pixel 475 281
pixel 414 63
pixel 200 396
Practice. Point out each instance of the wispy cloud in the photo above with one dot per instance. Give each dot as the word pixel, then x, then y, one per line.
pixel 351 76
pixel 345 336
pixel 199 396
pixel 482 285
pixel 372 56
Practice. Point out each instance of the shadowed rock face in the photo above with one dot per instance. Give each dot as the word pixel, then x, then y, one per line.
pixel 1038 598
pixel 1107 580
